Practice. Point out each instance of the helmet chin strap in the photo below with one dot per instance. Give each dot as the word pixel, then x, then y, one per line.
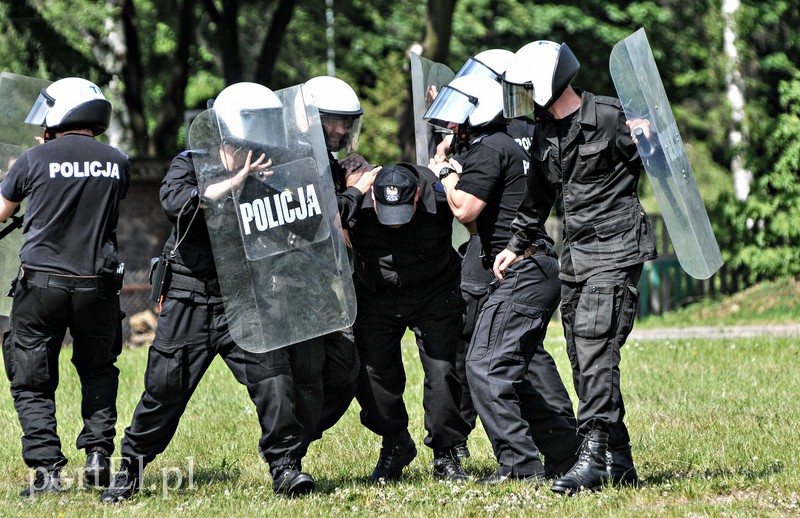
pixel 461 137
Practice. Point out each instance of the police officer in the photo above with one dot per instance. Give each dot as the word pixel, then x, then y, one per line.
pixel 192 326
pixel 476 273
pixel 341 117
pixel 407 277
pixel 485 188
pixel 67 280
pixel 584 158
pixel 337 360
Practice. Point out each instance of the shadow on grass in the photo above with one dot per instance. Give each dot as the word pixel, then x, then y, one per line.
pixel 746 473
pixel 225 471
pixel 411 475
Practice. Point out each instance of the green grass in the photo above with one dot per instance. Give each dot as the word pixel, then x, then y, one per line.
pixel 772 302
pixel 714 425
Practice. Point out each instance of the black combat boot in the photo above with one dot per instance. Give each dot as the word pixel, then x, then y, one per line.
pixel 447 466
pixel 590 470
pixel 126 483
pixel 556 468
pixel 97 472
pixel 44 481
pixel 461 450
pixel 621 470
pixel 503 475
pixel 397 452
pixel 289 480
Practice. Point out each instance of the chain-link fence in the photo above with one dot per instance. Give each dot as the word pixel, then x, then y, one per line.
pixel 139 323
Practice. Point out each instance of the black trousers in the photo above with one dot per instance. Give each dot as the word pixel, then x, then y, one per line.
pixel 190 334
pixel 516 388
pixel 435 315
pixel 598 315
pixel 326 374
pixel 40 317
pixel 475 281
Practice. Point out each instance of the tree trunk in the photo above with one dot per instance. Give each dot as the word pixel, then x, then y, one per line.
pixel 163 143
pixel 272 43
pixel 133 77
pixel 438 29
pixel 436 47
pixel 735 87
pixel 227 38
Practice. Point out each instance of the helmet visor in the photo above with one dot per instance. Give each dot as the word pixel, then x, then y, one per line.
pixel 341 131
pixel 475 67
pixel 253 127
pixel 40 109
pixel 517 99
pixel 451 105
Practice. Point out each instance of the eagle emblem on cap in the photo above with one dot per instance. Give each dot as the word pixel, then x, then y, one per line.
pixel 391 194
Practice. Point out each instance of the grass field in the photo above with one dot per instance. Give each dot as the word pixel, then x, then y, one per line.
pixel 714 426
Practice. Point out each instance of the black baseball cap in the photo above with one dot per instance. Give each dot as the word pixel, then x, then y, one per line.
pixel 395 188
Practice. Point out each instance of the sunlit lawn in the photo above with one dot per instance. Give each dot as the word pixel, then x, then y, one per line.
pixel 715 430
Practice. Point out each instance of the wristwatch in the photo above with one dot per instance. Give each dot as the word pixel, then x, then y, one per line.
pixel 444 171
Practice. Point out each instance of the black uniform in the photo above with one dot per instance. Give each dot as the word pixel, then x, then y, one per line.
pixel 73 185
pixel 332 358
pixel 192 330
pixel 515 385
pixel 408 278
pixel 589 164
pixel 476 276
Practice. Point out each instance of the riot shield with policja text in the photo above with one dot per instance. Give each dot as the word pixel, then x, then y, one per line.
pixel 277 241
pixel 17 95
pixel 639 88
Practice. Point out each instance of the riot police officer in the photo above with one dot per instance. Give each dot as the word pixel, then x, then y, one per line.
pixel 340 114
pixel 192 326
pixel 407 277
pixel 68 278
pixel 484 186
pixel 584 159
pixel 476 273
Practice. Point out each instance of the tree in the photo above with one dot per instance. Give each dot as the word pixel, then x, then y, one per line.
pixel 765 227
pixel 768 221
pixel 735 82
pixel 436 47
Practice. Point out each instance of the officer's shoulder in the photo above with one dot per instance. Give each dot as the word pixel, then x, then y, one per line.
pixel 182 162
pixel 608 100
pixel 498 141
pixel 123 155
pixel 187 157
pixel 189 153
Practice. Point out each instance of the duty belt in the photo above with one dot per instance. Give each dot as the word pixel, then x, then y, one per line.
pixel 57 280
pixel 187 283
pixel 535 249
pixel 532 250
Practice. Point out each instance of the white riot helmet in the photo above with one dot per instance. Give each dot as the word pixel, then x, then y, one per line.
pixel 537 76
pixel 250 114
pixel 70 103
pixel 339 111
pixel 475 100
pixel 490 63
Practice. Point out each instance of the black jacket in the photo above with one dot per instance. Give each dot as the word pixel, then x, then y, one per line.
pixel 180 202
pixel 348 199
pixel 417 255
pixel 593 173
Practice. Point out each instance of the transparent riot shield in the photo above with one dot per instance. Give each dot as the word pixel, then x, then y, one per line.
pixel 277 241
pixel 17 96
pixel 639 87
pixel 427 78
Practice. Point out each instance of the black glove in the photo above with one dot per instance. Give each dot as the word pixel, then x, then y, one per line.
pixel 355 163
